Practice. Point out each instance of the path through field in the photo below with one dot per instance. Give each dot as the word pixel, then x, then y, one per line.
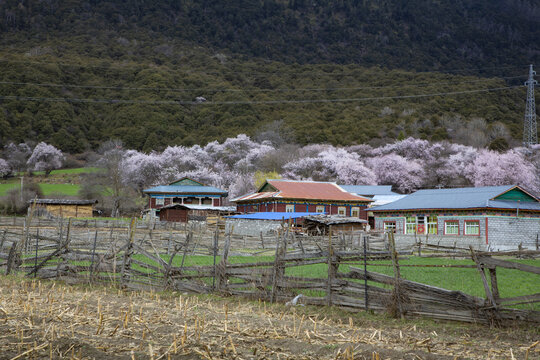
pixel 47 320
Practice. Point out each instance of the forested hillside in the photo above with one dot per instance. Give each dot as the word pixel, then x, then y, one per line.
pixel 153 74
pixel 408 34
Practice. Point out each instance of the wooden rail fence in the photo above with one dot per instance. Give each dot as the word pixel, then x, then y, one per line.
pixel 180 261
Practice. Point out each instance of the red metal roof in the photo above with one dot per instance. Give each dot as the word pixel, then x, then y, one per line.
pixel 306 190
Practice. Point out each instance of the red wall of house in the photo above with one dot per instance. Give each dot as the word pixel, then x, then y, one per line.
pixel 177 215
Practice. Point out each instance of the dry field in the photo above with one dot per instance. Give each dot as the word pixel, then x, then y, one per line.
pixel 50 320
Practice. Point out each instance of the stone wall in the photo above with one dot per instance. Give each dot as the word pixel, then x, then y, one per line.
pixel 252 227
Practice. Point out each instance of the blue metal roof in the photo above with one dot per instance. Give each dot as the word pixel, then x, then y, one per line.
pixel 185 189
pixel 274 215
pixel 460 198
pixel 368 190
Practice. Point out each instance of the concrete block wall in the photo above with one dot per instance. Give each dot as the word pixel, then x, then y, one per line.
pixel 407 241
pixel 507 233
pixel 400 223
pixel 252 227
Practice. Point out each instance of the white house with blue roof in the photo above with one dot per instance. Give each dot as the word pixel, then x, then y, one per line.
pixel 491 217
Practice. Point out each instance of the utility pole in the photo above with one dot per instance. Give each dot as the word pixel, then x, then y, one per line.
pixel 530 134
pixel 22 179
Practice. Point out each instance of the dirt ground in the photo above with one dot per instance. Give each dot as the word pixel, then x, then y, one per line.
pixel 50 320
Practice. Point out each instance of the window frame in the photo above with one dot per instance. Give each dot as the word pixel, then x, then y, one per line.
pixel 289 208
pixel 320 209
pixel 160 201
pixel 451 221
pixel 390 222
pixel 407 223
pixel 356 210
pixel 477 222
pixel 342 209
pixel 432 224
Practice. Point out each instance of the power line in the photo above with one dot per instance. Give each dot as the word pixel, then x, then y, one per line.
pixel 250 102
pixel 100 87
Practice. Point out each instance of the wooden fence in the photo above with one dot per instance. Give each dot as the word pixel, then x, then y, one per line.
pixel 194 260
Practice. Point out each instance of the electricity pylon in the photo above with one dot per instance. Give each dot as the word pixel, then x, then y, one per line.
pixel 530 135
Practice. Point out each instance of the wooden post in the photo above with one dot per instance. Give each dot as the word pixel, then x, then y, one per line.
pixel 366 306
pixel 262 239
pixel 494 286
pixel 216 239
pixel 13 258
pixel 37 246
pixel 93 254
pixel 480 269
pixel 126 264
pixel 222 267
pixel 277 271
pixel 332 268
pixel 397 274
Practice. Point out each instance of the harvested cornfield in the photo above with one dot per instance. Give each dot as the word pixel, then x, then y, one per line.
pixel 48 320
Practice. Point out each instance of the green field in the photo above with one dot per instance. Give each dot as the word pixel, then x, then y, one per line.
pixel 61 181
pixel 47 189
pixel 510 282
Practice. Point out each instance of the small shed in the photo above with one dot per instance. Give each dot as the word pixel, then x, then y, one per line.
pixel 183 213
pixel 320 224
pixel 67 208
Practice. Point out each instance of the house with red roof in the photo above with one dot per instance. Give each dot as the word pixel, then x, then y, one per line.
pixel 303 196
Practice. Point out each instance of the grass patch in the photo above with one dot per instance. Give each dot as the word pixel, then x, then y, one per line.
pixel 5 187
pixel 511 282
pixel 64 189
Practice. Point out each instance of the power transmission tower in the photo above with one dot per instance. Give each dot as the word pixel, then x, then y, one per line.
pixel 530 135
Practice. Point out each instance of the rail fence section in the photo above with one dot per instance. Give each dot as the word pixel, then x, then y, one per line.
pixel 287 267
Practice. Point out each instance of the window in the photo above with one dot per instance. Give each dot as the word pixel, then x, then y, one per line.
pixel 160 201
pixel 410 225
pixel 432 224
pixel 341 210
pixel 355 212
pixel 472 227
pixel 390 226
pixel 451 227
pixel 289 208
pixel 320 209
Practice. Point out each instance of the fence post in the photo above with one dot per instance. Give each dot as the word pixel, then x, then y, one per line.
pixel 93 254
pixel 279 269
pixel 126 264
pixel 333 266
pixel 397 276
pixel 366 306
pixel 13 259
pixel 222 267
pixel 216 239
pixel 37 246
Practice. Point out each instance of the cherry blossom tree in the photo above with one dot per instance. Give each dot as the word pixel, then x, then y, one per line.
pixel 405 174
pixel 45 158
pixel 492 168
pixel 17 155
pixel 5 169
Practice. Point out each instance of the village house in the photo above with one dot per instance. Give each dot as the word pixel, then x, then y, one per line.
pixel 293 196
pixel 491 217
pixel 184 197
pixel 62 207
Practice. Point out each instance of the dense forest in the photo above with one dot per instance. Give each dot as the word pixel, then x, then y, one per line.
pixel 152 74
